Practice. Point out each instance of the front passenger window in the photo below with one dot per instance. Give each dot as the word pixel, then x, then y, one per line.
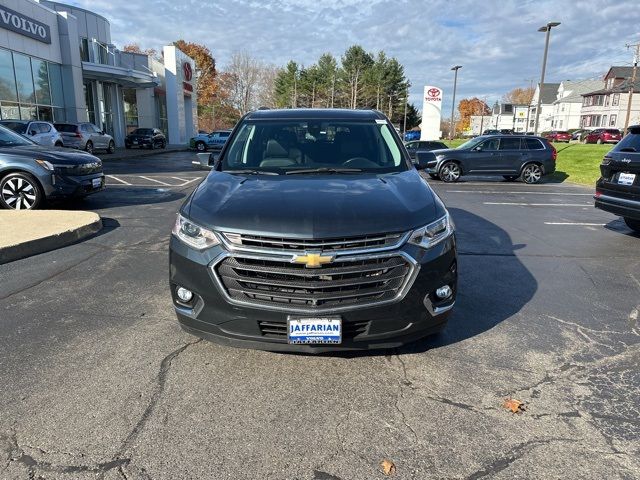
pixel 490 144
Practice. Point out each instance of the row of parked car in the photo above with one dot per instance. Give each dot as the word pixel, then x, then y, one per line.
pixel 599 135
pixel 82 135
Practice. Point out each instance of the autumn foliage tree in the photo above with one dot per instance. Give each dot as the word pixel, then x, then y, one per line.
pixel 135 48
pixel 469 107
pixel 519 96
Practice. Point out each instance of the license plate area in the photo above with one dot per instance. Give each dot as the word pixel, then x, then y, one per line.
pixel 626 178
pixel 325 330
pixel 96 182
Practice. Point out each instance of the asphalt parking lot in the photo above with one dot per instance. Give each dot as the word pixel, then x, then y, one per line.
pixel 98 381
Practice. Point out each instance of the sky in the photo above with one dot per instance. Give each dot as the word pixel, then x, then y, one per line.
pixel 496 42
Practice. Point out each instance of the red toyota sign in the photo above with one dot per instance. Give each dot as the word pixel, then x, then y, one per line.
pixel 433 95
pixel 433 92
pixel 187 71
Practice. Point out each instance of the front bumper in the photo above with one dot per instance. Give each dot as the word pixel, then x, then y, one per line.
pixel 415 315
pixel 138 142
pixel 66 186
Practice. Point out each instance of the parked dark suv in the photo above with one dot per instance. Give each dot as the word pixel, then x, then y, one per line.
pixel 31 174
pixel 618 189
pixel 423 146
pixel 511 156
pixel 146 137
pixel 313 232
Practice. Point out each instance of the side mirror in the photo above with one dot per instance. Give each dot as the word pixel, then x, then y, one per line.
pixel 425 160
pixel 207 161
pixel 477 149
pixel 32 132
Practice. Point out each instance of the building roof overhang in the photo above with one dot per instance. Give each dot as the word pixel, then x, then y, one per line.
pixel 125 77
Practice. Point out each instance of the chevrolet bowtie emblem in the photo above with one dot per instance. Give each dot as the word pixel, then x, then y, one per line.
pixel 313 260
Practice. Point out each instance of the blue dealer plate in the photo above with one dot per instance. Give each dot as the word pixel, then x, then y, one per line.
pixel 314 330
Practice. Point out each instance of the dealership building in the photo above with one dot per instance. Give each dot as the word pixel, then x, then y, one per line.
pixel 58 63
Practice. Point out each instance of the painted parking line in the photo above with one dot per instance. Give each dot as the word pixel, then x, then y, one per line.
pixel 157 181
pixel 528 192
pixel 580 224
pixel 118 179
pixel 540 204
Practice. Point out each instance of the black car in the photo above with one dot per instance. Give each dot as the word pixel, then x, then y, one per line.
pixel 146 137
pixel 511 156
pixel 313 232
pixel 31 174
pixel 491 132
pixel 422 146
pixel 618 188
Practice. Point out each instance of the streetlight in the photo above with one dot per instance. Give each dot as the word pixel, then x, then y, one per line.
pixel 546 28
pixel 452 127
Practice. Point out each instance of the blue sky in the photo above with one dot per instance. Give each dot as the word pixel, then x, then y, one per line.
pixel 496 42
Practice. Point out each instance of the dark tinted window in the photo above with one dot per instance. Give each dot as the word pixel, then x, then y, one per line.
pixel 65 127
pixel 17 127
pixel 631 142
pixel 509 144
pixel 225 134
pixel 534 144
pixel 612 130
pixel 143 131
pixel 491 144
pixel 43 128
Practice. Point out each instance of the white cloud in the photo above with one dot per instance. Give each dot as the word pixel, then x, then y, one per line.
pixel 496 42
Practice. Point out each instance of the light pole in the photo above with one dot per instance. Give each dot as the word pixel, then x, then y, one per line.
pixel 547 28
pixel 452 127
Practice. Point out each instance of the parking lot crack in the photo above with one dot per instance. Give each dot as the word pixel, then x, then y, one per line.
pixel 515 454
pixel 161 380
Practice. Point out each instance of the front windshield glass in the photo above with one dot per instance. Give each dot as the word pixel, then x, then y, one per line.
pixel 9 138
pixel 469 144
pixel 142 131
pixel 288 146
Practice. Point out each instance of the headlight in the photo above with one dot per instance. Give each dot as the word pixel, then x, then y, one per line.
pixel 434 233
pixel 194 235
pixel 46 165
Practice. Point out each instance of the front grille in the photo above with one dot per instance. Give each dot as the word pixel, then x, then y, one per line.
pixel 281 284
pixel 367 242
pixel 350 330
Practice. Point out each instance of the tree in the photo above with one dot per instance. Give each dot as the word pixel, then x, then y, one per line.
pixel 469 107
pixel 286 85
pixel 413 117
pixel 243 78
pixel 519 96
pixel 135 48
pixel 355 63
pixel 206 86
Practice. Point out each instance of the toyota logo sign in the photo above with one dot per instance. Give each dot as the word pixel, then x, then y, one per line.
pixel 187 71
pixel 433 92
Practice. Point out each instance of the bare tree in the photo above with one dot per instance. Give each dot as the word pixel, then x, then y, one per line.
pixel 243 81
pixel 266 89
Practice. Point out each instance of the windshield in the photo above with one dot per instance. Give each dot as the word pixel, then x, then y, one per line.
pixel 322 145
pixel 469 144
pixel 9 138
pixel 18 127
pixel 142 131
pixel 66 127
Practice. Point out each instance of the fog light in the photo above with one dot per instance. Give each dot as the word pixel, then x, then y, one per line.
pixel 184 295
pixel 444 292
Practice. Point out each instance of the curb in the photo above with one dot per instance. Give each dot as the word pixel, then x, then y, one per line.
pixel 46 244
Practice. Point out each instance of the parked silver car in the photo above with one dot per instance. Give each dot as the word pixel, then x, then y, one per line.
pixel 85 136
pixel 43 133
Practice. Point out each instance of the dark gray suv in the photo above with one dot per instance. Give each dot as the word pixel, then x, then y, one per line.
pixel 511 156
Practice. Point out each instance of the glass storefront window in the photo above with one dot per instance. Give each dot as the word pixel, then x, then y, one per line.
pixel 41 81
pixel 130 109
pixel 45 113
pixel 7 78
pixel 88 100
pixel 9 111
pixel 28 112
pixel 24 78
pixel 55 82
pixel 84 49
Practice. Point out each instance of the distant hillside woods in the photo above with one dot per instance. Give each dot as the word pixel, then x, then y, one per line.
pixel 358 80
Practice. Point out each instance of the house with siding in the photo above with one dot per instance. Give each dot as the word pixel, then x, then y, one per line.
pixel 568 104
pixel 548 93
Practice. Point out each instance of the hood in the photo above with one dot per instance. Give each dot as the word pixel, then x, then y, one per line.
pixel 312 206
pixel 441 151
pixel 57 155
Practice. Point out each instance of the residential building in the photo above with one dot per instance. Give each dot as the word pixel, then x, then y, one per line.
pixel 607 107
pixel 548 94
pixel 568 104
pixel 58 63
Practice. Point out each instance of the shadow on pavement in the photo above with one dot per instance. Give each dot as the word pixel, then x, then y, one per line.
pixel 120 197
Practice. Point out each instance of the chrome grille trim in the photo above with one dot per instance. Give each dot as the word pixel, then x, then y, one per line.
pixel 279 245
pixel 402 289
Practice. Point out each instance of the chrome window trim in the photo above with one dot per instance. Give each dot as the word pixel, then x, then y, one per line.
pixel 402 292
pixel 232 247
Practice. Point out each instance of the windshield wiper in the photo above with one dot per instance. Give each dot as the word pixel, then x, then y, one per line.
pixel 323 170
pixel 248 171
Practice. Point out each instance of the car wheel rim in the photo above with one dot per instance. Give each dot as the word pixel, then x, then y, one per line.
pixel 532 174
pixel 200 147
pixel 450 172
pixel 89 148
pixel 19 194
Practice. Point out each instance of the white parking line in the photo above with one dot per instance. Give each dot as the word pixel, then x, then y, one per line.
pixel 178 178
pixel 519 193
pixel 576 223
pixel 540 204
pixel 118 179
pixel 189 181
pixel 157 181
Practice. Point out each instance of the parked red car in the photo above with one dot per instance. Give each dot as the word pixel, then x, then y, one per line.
pixel 603 135
pixel 558 136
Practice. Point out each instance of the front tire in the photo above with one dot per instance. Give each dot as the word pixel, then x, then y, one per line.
pixel 633 224
pixel 112 147
pixel 59 144
pixel 201 147
pixel 450 172
pixel 20 191
pixel 532 173
pixel 89 147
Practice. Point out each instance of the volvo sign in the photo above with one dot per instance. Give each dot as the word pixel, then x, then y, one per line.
pixel 19 23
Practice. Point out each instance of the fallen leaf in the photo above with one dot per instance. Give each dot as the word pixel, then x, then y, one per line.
pixel 515 406
pixel 388 467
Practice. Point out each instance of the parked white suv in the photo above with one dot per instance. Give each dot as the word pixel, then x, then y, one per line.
pixel 43 133
pixel 86 136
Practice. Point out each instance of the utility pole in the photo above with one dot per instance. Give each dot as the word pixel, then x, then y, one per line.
pixel 526 128
pixel 406 101
pixel 452 126
pixel 333 89
pixel 631 87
